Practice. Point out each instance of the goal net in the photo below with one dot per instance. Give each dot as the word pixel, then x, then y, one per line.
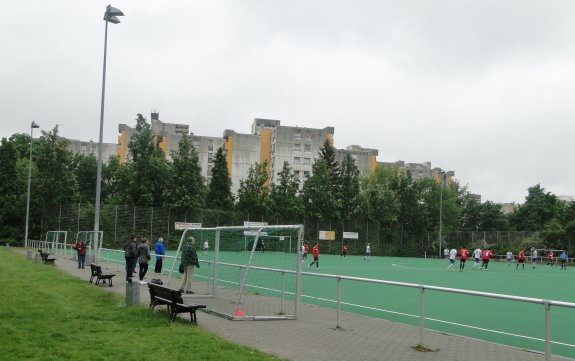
pixel 55 241
pixel 249 273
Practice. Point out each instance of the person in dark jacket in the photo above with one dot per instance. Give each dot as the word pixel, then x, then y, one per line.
pixel 130 254
pixel 143 254
pixel 189 261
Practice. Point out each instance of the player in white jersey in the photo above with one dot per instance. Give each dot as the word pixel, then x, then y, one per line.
pixel 452 256
pixel 476 258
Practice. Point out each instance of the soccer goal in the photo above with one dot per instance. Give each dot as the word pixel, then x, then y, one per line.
pixel 243 280
pixel 55 241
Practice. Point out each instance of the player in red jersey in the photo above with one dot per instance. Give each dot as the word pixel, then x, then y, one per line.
pixel 550 258
pixel 463 253
pixel 344 250
pixel 485 257
pixel 315 253
pixel 521 259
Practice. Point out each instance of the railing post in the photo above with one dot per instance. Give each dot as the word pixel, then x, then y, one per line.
pixel 282 295
pixel 338 300
pixel 547 331
pixel 421 313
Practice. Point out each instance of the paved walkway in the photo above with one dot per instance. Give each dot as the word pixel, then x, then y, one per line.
pixel 314 338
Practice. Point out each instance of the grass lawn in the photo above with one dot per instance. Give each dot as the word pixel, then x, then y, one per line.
pixel 45 314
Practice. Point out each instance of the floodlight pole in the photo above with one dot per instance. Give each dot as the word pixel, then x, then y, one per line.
pixel 109 16
pixel 441 177
pixel 32 126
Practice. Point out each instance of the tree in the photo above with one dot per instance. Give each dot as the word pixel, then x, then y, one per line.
pixel 84 169
pixel 539 208
pixel 187 188
pixel 350 189
pixel 220 190
pixel 253 192
pixel 284 201
pixel 149 169
pixel 10 192
pixel 317 195
pixel 379 201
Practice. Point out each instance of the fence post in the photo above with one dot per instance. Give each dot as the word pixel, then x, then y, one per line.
pixel 282 295
pixel 421 313
pixel 547 331
pixel 338 300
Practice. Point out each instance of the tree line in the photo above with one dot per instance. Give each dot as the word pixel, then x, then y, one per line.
pixel 334 193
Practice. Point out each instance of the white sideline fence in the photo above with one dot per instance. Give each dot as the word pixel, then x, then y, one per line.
pixel 66 250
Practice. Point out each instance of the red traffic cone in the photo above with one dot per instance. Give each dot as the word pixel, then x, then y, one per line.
pixel 239 312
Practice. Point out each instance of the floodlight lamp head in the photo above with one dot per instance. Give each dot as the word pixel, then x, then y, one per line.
pixel 111 13
pixel 34 125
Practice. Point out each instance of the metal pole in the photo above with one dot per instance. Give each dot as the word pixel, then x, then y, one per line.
pixel 99 171
pixel 338 301
pixel 282 294
pixel 547 331
pixel 440 210
pixel 32 126
pixel 421 313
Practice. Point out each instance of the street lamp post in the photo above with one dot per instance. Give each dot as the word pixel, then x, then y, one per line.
pixel 32 126
pixel 110 16
pixel 441 178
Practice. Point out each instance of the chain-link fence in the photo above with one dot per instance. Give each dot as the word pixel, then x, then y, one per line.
pixel 119 221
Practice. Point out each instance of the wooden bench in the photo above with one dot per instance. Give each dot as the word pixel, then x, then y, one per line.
pixel 99 275
pixel 160 295
pixel 47 257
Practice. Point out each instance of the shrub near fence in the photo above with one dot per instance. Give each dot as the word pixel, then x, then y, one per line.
pixel 119 221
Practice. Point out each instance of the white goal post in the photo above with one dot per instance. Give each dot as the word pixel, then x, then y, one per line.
pixel 246 283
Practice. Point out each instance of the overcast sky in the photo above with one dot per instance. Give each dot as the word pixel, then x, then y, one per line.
pixel 484 88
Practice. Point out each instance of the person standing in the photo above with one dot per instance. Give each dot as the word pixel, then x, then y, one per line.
pixel 452 256
pixel 80 247
pixel 446 253
pixel 476 257
pixel 189 261
pixel 563 258
pixel 367 252
pixel 509 257
pixel 143 254
pixel 206 247
pixel 130 250
pixel 305 250
pixel 463 252
pixel 485 257
pixel 160 251
pixel 521 259
pixel 315 253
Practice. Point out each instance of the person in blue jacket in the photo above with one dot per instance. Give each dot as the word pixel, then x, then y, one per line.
pixel 160 252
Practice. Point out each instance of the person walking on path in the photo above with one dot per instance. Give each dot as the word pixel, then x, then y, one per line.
pixel 521 259
pixel 160 251
pixel 367 252
pixel 476 257
pixel 315 253
pixel 143 254
pixel 463 252
pixel 563 258
pixel 80 247
pixel 130 250
pixel 452 256
pixel 189 261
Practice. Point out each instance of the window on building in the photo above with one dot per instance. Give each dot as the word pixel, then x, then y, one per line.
pixel 210 170
pixel 307 148
pixel 306 161
pixel 210 157
pixel 306 174
pixel 296 160
pixel 297 147
pixel 296 173
pixel 211 145
pixel 297 134
pixel 196 143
